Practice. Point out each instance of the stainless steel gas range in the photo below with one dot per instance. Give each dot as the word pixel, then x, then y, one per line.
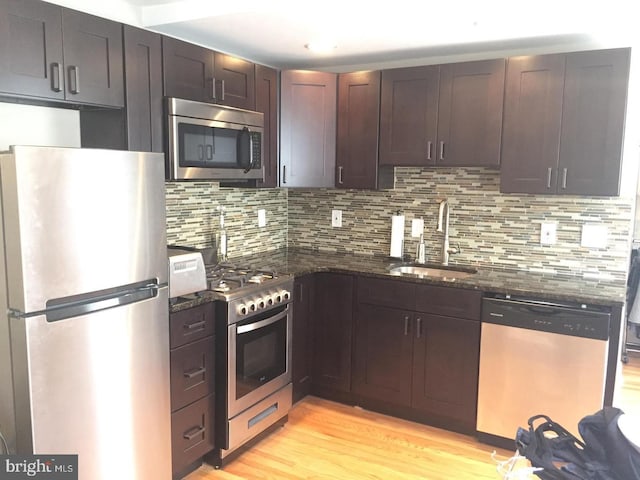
pixel 253 353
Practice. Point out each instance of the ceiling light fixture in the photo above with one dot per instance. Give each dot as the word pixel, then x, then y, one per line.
pixel 321 46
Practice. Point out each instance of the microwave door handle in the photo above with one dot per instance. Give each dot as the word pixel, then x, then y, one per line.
pixel 251 159
pixel 209 152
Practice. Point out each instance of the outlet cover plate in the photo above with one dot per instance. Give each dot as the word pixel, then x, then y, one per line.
pixel 262 218
pixel 548 233
pixel 417 227
pixel 336 218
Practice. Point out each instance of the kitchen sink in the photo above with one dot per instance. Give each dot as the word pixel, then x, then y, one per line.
pixel 436 271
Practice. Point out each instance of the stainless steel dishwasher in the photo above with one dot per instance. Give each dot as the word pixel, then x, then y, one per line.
pixel 539 357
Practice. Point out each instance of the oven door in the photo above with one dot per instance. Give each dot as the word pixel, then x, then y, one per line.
pixel 259 358
pixel 211 149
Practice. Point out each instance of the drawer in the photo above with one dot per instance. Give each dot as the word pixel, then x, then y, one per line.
pixel 192 368
pixel 449 301
pixel 388 293
pixel 192 433
pixel 191 324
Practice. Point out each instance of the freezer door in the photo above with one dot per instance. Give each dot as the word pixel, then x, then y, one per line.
pixel 80 220
pixel 97 386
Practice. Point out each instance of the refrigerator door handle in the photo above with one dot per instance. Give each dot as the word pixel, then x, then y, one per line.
pixel 69 307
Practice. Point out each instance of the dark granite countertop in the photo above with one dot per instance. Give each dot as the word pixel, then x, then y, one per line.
pixel 512 282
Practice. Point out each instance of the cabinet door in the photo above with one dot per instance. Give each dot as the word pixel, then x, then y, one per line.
pixel 470 113
pixel 531 128
pixel 358 120
pixel 93 59
pixel 383 354
pixel 308 129
pixel 188 70
pixel 409 116
pixel 332 332
pixel 143 68
pixel 267 103
pixel 445 369
pixel 593 114
pixel 31 49
pixel 236 80
pixel 302 356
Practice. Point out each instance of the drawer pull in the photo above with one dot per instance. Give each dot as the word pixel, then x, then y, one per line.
pixel 406 325
pixel 193 433
pixel 418 327
pixel 195 326
pixel 195 373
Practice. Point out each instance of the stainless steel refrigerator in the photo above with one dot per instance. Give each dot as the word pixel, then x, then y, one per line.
pixel 84 343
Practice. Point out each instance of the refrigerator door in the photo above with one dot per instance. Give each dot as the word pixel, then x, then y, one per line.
pixel 80 220
pixel 98 386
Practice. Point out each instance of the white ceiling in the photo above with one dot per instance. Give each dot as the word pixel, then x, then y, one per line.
pixel 368 33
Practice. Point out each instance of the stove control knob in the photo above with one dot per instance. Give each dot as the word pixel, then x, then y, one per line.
pixel 285 295
pixel 277 298
pixel 251 306
pixel 269 300
pixel 261 303
pixel 242 309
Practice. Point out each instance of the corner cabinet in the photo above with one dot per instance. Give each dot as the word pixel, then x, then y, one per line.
pixel 448 115
pixel 563 123
pixel 307 129
pixel 267 103
pixel 60 54
pixel 357 133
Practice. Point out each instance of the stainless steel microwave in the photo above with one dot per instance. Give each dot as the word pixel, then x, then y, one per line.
pixel 213 142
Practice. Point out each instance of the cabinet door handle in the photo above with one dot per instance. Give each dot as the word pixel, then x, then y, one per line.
pixel 564 178
pixel 193 433
pixel 195 373
pixel 340 169
pixel 284 174
pixel 74 79
pixel 197 326
pixel 55 77
pixel 429 146
pixel 418 327
pixel 406 325
pixel 441 156
pixel 222 85
pixel 213 88
pixel 549 170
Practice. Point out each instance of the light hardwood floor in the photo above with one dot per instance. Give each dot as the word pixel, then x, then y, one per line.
pixel 327 440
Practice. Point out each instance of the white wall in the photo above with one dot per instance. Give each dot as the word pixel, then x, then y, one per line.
pixel 31 125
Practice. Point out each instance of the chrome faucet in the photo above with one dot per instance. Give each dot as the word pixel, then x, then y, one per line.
pixel 443 227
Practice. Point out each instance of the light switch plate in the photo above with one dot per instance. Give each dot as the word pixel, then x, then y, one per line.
pixel 548 233
pixel 594 235
pixel 262 218
pixel 417 227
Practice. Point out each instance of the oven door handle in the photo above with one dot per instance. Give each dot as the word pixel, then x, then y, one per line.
pixel 262 323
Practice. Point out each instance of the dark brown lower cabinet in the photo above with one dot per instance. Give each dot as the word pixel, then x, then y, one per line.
pixel 302 353
pixel 332 333
pixel 417 363
pixel 192 387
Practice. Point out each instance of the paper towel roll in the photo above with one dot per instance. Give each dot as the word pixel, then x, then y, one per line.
pixel 397 236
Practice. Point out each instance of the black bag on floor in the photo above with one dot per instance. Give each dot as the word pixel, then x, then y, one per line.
pixel 561 455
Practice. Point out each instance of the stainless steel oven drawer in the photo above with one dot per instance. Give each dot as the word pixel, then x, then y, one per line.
pixel 254 420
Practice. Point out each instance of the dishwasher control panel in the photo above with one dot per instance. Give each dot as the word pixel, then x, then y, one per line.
pixel 575 320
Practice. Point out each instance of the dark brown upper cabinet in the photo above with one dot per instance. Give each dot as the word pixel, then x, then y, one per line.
pixel 563 123
pixel 307 129
pixel 267 103
pixel 188 71
pixel 202 75
pixel 357 132
pixel 448 115
pixel 409 115
pixel 235 80
pixel 143 91
pixel 86 67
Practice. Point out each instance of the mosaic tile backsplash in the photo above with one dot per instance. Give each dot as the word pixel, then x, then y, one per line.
pixel 491 228
pixel 192 218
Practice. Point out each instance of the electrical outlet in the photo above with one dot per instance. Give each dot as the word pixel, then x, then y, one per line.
pixel 417 227
pixel 594 236
pixel 336 218
pixel 262 218
pixel 548 233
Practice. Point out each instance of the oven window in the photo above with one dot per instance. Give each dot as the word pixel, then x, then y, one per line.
pixel 261 356
pixel 202 146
